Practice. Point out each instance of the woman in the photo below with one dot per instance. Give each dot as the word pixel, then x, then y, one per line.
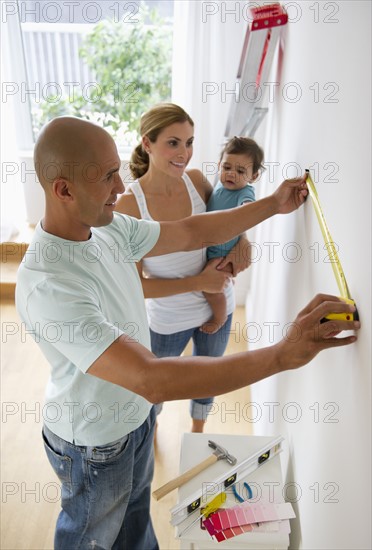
pixel 173 283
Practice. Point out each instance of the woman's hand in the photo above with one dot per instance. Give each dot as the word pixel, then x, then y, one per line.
pixel 212 280
pixel 239 257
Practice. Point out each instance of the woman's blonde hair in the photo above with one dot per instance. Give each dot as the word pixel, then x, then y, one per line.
pixel 152 123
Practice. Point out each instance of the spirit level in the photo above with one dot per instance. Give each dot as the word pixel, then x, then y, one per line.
pixel 235 474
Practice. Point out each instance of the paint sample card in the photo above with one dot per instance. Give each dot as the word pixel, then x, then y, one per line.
pixel 262 517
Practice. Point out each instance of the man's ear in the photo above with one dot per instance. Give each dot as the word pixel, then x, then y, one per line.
pixel 61 189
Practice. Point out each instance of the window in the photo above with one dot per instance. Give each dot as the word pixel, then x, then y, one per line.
pixel 107 61
pixel 125 69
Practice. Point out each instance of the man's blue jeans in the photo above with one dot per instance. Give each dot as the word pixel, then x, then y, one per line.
pixel 105 491
pixel 210 345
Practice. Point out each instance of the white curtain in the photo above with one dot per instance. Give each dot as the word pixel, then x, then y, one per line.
pixel 208 39
pixel 13 211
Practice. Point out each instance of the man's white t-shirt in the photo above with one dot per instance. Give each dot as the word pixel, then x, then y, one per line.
pixel 76 299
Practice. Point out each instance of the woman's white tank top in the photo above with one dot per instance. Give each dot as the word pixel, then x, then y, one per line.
pixel 178 312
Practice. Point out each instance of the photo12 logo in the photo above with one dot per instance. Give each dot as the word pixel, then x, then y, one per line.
pixel 251 92
pixel 70 11
pixel 319 12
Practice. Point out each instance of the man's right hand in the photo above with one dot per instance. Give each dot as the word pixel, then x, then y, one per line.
pixel 291 194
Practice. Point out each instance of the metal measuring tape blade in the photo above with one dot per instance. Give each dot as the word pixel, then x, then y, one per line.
pixel 332 252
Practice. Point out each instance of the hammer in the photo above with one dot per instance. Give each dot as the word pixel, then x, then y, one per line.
pixel 219 453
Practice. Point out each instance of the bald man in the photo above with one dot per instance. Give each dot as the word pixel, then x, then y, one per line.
pixel 79 293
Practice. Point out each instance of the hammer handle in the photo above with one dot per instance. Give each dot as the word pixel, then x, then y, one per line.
pixel 184 478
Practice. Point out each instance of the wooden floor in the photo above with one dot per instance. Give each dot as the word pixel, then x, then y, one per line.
pixel 30 490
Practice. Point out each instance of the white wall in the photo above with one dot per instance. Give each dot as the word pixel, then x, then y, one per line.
pixel 324 409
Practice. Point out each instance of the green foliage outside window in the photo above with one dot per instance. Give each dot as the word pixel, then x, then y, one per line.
pixel 132 67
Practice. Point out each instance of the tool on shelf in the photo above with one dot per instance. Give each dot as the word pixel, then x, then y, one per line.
pixel 219 453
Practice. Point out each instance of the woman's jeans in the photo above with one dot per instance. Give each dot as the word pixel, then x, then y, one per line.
pixel 105 491
pixel 211 345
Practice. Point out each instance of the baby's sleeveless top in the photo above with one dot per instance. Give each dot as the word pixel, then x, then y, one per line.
pixel 178 312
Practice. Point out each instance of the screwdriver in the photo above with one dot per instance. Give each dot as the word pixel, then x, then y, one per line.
pixel 207 510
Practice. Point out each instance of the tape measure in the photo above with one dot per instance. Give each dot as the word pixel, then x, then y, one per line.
pixel 332 253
